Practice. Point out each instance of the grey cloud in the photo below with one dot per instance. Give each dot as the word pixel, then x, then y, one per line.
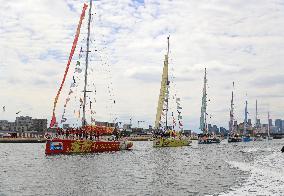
pixel 146 77
pixel 268 81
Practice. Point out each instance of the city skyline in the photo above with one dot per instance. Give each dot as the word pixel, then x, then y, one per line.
pixel 237 47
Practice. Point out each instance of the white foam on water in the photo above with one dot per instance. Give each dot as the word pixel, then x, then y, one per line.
pixel 266 176
pixel 252 149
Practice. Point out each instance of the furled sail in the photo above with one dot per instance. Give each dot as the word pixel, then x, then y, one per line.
pixel 203 126
pixel 163 90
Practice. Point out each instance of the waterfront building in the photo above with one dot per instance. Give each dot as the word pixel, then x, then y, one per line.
pixel 223 131
pixel 187 132
pixel 278 124
pixel 23 123
pixel 273 129
pixel 270 122
pixel 209 128
pixel 39 125
pixel 12 126
pixel 4 125
pixel 215 129
pixel 258 124
pixel 249 122
pixel 24 126
pixel 106 124
pixel 127 127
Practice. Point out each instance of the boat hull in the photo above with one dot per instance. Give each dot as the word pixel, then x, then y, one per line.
pixel 68 146
pixel 247 139
pixel 233 140
pixel 209 141
pixel 170 142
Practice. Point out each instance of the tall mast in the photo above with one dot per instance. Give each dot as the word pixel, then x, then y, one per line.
pixel 268 127
pixel 163 90
pixel 256 114
pixel 167 98
pixel 87 63
pixel 203 117
pixel 246 118
pixel 205 103
pixel 232 112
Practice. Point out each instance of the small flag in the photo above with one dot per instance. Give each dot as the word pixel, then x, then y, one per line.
pixel 78 70
pixel 53 121
pixel 70 92
pixel 63 119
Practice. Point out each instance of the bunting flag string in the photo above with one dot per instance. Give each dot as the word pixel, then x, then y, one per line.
pixel 53 119
pixel 80 53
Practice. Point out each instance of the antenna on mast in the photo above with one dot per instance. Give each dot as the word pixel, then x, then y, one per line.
pixel 168 45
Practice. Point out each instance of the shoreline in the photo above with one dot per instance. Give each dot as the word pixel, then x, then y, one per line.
pixel 22 140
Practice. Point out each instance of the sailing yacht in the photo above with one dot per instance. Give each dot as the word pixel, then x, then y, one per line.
pixel 89 137
pixel 258 137
pixel 233 135
pixel 166 135
pixel 246 136
pixel 205 137
pixel 268 128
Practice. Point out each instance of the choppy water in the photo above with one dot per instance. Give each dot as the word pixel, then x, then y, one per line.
pixel 254 168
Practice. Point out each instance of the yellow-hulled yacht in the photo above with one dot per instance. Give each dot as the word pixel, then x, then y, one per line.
pixel 166 136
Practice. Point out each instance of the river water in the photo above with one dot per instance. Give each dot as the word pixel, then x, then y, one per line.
pixel 254 168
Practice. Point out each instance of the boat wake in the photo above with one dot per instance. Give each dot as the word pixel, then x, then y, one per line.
pixel 266 176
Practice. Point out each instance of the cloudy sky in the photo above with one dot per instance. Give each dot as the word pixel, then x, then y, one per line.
pixel 240 40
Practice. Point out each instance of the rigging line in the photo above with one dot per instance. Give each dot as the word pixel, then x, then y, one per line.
pixel 176 110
